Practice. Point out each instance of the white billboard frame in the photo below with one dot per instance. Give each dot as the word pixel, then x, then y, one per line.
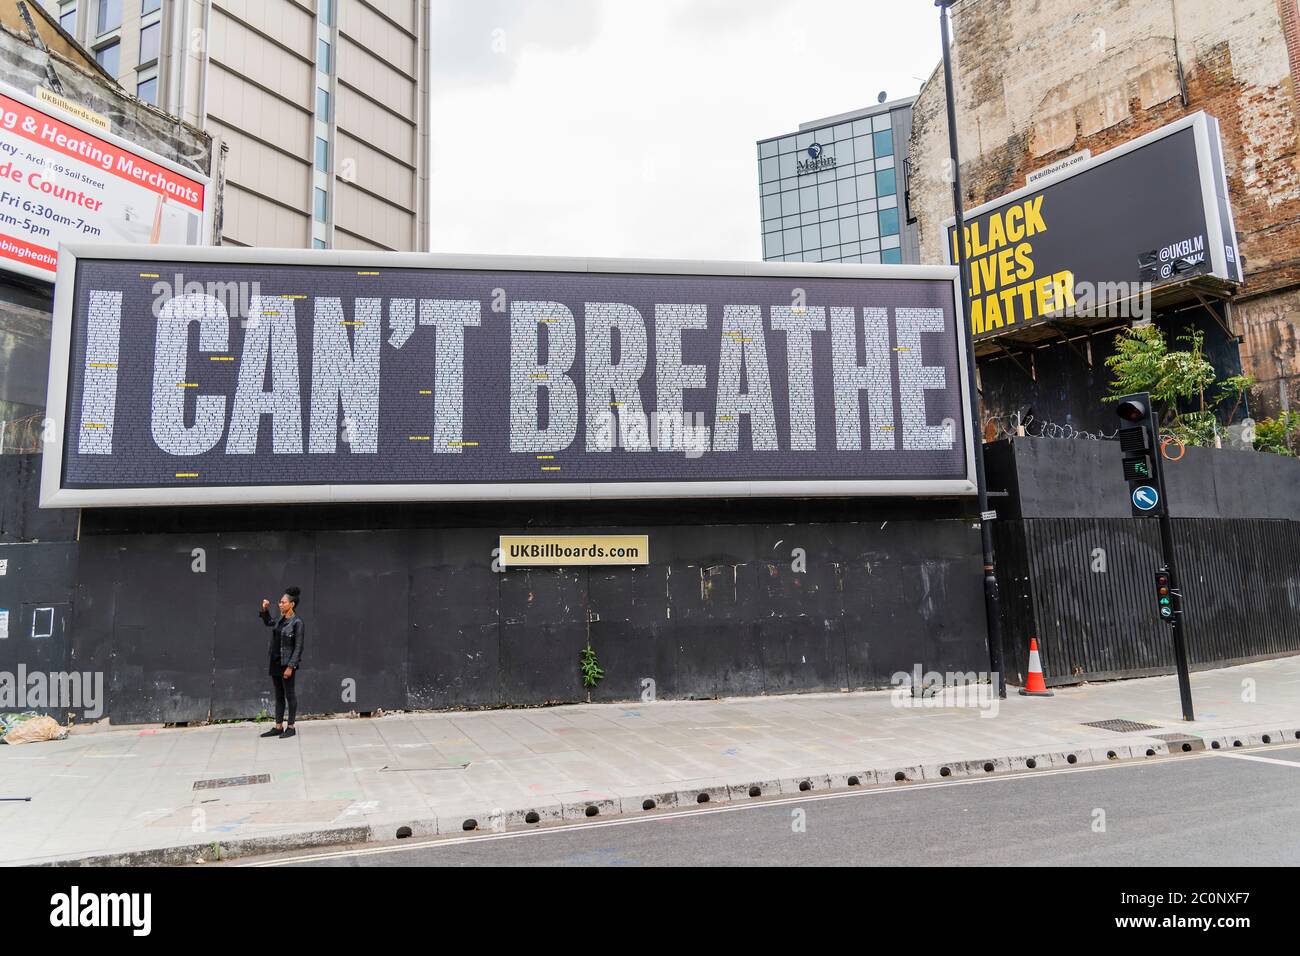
pixel 53 495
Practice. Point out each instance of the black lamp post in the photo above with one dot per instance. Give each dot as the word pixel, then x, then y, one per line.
pixel 992 608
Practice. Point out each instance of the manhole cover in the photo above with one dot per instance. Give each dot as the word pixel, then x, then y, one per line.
pixel 1121 726
pixel 231 781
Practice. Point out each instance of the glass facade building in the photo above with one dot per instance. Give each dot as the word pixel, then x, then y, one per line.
pixel 835 191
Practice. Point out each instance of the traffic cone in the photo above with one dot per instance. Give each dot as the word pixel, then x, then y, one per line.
pixel 1034 686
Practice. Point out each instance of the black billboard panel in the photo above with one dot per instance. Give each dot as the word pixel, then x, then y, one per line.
pixel 1102 233
pixel 227 375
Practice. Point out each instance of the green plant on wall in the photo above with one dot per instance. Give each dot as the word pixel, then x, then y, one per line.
pixel 590 667
pixel 1143 362
pixel 1279 435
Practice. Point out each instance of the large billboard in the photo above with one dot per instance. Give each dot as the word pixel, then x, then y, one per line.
pixel 1103 232
pixel 240 375
pixel 64 180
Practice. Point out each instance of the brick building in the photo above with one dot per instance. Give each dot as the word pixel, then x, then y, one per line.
pixel 1036 82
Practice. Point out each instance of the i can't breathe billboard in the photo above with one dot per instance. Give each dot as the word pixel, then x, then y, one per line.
pixel 238 376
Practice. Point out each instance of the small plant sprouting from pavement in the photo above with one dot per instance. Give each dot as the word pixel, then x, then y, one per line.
pixel 592 673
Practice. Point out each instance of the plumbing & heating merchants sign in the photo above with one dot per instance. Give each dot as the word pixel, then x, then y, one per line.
pixel 62 179
pixel 240 375
pixel 1104 231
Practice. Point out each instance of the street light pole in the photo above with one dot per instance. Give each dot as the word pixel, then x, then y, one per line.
pixel 992 604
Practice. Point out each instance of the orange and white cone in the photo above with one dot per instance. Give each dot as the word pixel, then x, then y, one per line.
pixel 1034 685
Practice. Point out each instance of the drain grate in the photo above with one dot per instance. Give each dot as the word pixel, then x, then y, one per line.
pixel 1119 725
pixel 231 781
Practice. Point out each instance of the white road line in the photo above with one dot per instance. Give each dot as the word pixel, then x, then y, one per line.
pixel 1283 763
pixel 652 816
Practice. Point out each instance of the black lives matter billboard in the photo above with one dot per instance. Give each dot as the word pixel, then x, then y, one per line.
pixel 1107 231
pixel 240 376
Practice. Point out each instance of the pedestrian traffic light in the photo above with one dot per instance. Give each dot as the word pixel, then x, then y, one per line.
pixel 1139 444
pixel 1164 596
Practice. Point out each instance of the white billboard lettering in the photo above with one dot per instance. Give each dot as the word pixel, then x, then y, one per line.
pixel 851 378
pixel 914 378
pixel 99 399
pixel 273 333
pixel 614 388
pixel 798 324
pixel 530 377
pixel 171 381
pixel 450 318
pixel 345 372
pixel 743 351
pixel 672 375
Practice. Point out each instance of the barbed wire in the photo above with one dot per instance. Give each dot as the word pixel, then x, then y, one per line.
pixel 1015 425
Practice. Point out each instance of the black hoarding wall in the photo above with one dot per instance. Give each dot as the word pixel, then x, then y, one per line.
pixel 739 598
pixel 38 567
pixel 1076 569
pixel 1056 385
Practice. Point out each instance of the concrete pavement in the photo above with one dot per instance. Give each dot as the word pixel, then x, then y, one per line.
pixel 129 795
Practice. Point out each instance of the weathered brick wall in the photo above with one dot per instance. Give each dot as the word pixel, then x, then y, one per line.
pixel 1037 81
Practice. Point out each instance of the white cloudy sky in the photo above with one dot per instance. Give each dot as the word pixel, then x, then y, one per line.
pixel 628 127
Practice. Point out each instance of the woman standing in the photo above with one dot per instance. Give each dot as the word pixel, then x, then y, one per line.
pixel 285 656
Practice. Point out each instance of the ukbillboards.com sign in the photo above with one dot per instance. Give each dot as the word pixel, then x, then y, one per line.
pixel 1103 232
pixel 239 376
pixel 64 180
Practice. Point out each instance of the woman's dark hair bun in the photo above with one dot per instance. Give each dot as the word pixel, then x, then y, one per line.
pixel 294 593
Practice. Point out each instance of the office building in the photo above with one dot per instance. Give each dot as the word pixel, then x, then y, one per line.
pixel 323 106
pixel 835 191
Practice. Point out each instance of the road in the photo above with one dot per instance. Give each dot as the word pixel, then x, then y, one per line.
pixel 1218 809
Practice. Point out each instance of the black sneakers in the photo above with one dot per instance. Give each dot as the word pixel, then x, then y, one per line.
pixel 271 733
pixel 288 732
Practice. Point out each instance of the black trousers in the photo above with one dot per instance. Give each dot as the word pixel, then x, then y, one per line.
pixel 284 690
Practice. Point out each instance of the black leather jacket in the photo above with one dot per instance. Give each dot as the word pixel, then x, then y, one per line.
pixel 286 639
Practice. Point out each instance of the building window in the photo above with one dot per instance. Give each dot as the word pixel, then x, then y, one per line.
pixel 884 142
pixel 322 105
pixel 110 15
pixel 107 56
pixel 891 255
pixel 321 201
pixel 149 38
pixel 318 243
pixel 886 184
pixel 322 155
pixel 68 16
pixel 327 12
pixel 323 55
pixel 149 6
pixel 146 88
pixel 889 222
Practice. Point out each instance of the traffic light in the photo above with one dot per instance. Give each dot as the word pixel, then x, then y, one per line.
pixel 1164 596
pixel 1139 443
